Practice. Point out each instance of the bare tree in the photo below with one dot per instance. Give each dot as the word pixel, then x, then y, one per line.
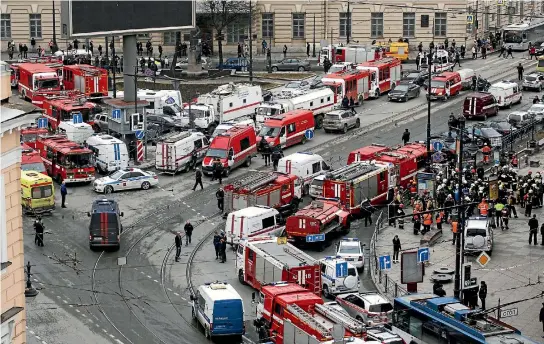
pixel 219 14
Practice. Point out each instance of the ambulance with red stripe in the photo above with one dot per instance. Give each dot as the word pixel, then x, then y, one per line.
pixel 287 129
pixel 506 92
pixel 304 165
pixel 175 151
pixel 445 85
pixel 385 74
pixel 105 227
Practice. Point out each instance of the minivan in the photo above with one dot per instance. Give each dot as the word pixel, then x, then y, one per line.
pixel 105 227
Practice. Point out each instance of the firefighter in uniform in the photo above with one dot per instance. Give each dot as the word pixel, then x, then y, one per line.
pixel 439 219
pixel 483 207
pixel 427 222
pixel 486 150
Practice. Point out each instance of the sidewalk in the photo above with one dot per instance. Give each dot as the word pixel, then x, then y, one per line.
pixel 515 271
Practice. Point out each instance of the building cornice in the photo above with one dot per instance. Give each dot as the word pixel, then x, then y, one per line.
pixel 10 158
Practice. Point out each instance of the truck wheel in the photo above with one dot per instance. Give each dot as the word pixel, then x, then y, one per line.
pixel 248 162
pixel 108 189
pixel 319 122
pixel 326 292
pixel 241 277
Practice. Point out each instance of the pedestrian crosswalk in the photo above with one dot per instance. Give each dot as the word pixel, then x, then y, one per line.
pixel 494 61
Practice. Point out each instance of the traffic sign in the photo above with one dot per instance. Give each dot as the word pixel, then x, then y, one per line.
pixel 385 262
pixel 116 114
pixel 42 122
pixel 483 259
pixel 281 240
pixel 437 157
pixel 139 134
pixel 341 269
pixel 470 19
pixel 423 254
pixel 438 146
pixel 501 2
pixel 315 237
pixel 309 134
pixel 77 118
pixel 506 313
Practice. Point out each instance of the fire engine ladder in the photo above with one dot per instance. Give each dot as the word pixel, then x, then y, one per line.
pixel 339 317
pixel 91 71
pixel 256 180
pixel 308 319
pixel 352 171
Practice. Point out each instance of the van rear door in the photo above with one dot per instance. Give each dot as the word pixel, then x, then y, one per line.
pixel 228 317
pixel 104 229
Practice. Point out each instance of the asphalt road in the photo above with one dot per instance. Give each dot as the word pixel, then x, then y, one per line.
pixel 94 300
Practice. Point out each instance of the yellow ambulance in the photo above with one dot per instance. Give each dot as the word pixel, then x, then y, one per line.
pixel 37 192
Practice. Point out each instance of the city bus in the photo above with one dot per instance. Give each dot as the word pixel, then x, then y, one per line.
pixel 518 36
pixel 427 318
pixel 540 65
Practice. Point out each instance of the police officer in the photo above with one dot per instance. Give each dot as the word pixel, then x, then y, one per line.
pixel 520 71
pixel 216 244
pixel 483 293
pixel 38 228
pixel 178 245
pixel 220 195
pixel 188 228
pixel 198 179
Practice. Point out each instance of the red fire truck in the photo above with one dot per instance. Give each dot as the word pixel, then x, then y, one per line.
pixel 62 108
pixel 273 189
pixel 31 160
pixel 351 83
pixel 350 53
pixel 264 260
pixel 319 217
pixel 366 153
pixel 357 183
pixel 405 161
pixel 90 80
pixel 36 80
pixel 30 135
pixel 286 308
pixel 385 74
pixel 66 160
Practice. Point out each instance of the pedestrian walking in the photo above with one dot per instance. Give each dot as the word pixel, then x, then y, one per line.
pixel 541 317
pixel 528 199
pixel 457 59
pixel 474 53
pixel 220 195
pixel 63 193
pixel 188 228
pixel 216 244
pixel 276 156
pixel 533 228
pixel 264 45
pixel 405 137
pixel 455 229
pixel 160 51
pixel 532 52
pixel 218 170
pixel 266 154
pixel 177 241
pixel 502 52
pixel 509 53
pixel 396 249
pixel 427 222
pixel 520 71
pixel 284 51
pixel 439 219
pixel 482 294
pixel 505 215
pixel 308 49
pixel 198 179
pixel 38 229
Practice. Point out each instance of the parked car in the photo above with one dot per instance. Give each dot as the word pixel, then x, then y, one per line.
pixel 100 122
pixel 236 63
pixel 537 110
pixel 503 127
pixel 341 120
pixel 291 65
pixel 520 118
pixel 417 77
pixel 184 63
pixel 539 48
pixel 316 82
pixel 166 123
pixel 404 92
pixel 486 134
pixel 297 85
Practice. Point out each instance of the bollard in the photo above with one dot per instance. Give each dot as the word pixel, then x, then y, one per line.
pixel 29 290
pixel 386 283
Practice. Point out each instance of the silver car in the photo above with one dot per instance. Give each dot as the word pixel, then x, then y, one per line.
pixel 341 120
pixel 533 81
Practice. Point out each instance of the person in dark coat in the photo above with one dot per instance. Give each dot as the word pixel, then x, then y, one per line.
pixel 276 156
pixel 198 179
pixel 178 245
pixel 216 244
pixel 396 249
pixel 223 248
pixel 405 137
pixel 533 228
pixel 218 170
pixel 541 317
pixel 38 227
pixel 220 195
pixel 63 193
pixel 188 228
pixel 482 294
pixel 308 49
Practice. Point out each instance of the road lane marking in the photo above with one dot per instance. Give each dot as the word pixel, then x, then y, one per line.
pixel 77 310
pixel 83 315
pixel 184 299
pixel 155 281
pixel 176 294
pixel 168 289
pixel 38 337
pixel 105 331
pixel 148 276
pixel 64 301
pixel 71 306
pixel 33 333
pixel 143 273
pixel 44 342
pixel 112 336
pixel 118 341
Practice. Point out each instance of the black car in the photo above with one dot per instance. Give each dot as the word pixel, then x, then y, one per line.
pixel 166 123
pixel 417 77
pixel 404 92
pixel 105 227
pixel 502 127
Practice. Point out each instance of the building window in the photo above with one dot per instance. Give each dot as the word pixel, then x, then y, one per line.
pixel 35 26
pixel 5 29
pixel 170 38
pixel 7 331
pixel 236 32
pixel 268 25
pixel 345 24
pixel 440 24
pixel 408 24
pixel 376 24
pixel 298 25
pixel 143 35
pixel 486 18
pixel 3 225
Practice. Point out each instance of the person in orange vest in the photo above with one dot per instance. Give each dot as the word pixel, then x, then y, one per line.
pixel 455 229
pixel 427 222
pixel 483 207
pixel 439 220
pixel 486 150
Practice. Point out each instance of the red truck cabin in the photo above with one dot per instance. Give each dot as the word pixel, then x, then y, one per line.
pixel 90 80
pixel 313 219
pixel 445 85
pixel 59 109
pixel 366 153
pixel 418 151
pixel 480 104
pixel 36 80
pixel 351 83
pixel 31 160
pixel 287 129
pixel 276 296
pixel 30 135
pixel 385 74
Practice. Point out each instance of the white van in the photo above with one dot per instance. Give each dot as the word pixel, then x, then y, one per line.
pixel 224 126
pixel 174 152
pixel 478 236
pixel 466 77
pixel 304 165
pixel 167 102
pixel 332 285
pixel 219 309
pixel 506 92
pixel 252 222
pixel 110 153
pixel 77 132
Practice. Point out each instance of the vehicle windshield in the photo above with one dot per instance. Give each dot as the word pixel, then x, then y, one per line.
pixel 490 132
pixel 47 83
pixel 512 37
pixel 438 84
pixel 117 174
pixel 402 88
pixel 380 308
pixel 349 249
pixel 35 166
pixel 269 131
pixel 43 191
pixel 335 69
pixel 476 231
pixel 267 111
pixel 332 117
pixel 219 131
pixel 68 116
pixel 537 108
pixel 217 153
pixel 195 112
pixel 29 137
pixel 494 89
pixel 412 76
pixel 76 160
pixel 515 118
pixel 530 78
pixel 293 84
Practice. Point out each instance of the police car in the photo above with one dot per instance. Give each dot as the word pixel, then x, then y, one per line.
pixel 131 178
pixel 352 251
pixel 338 276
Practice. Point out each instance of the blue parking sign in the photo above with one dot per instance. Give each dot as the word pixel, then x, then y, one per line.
pixel 309 134
pixel 341 269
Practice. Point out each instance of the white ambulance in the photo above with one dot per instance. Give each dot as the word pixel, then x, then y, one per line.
pixel 77 132
pixel 168 102
pixel 304 165
pixel 110 153
pixel 174 152
pixel 252 222
pixel 506 92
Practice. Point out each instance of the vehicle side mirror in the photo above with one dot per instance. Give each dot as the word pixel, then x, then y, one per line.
pixel 122 214
pixel 88 214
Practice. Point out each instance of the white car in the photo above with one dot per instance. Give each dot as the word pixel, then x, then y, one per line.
pixel 131 178
pixel 371 308
pixel 534 81
pixel 351 250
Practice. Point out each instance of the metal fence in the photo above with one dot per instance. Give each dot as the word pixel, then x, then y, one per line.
pixel 384 283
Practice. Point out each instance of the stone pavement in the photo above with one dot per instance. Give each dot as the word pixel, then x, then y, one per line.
pixel 515 272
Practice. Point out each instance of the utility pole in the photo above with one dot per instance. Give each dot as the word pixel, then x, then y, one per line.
pixel 107 47
pixel 476 24
pixel 55 47
pixel 114 67
pixel 460 212
pixel 429 63
pixel 348 25
pixel 313 47
pixel 250 44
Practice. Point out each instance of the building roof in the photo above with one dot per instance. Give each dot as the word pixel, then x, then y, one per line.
pixel 16 115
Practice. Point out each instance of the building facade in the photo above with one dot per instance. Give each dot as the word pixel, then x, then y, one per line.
pixel 492 16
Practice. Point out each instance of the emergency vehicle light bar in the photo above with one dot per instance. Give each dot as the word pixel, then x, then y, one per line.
pixel 332 257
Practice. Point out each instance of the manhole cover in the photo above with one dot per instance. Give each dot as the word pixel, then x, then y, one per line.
pixel 444 270
pixel 441 278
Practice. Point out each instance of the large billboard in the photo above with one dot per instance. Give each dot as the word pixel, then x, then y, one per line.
pixel 106 18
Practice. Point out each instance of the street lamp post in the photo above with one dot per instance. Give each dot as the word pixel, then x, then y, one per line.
pixel 313 47
pixel 429 63
pixel 55 47
pixel 250 44
pixel 460 212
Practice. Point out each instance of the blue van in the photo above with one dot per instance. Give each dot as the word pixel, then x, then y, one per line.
pixel 219 309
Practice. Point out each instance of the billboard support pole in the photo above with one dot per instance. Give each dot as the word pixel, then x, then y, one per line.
pixel 55 47
pixel 460 212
